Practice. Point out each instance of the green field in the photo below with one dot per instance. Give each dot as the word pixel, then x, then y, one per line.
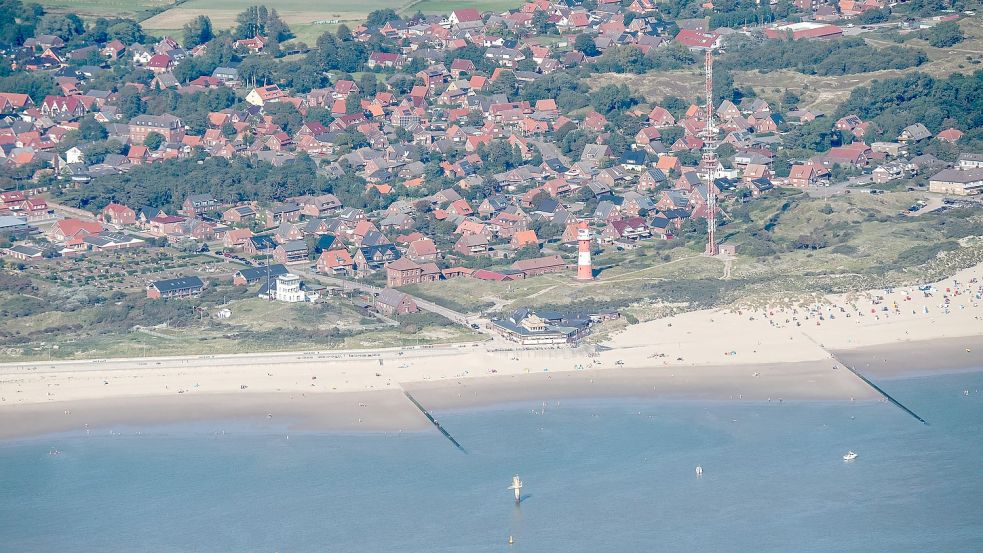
pixel 306 19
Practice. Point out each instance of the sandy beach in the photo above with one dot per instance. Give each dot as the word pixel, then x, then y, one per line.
pixel 787 351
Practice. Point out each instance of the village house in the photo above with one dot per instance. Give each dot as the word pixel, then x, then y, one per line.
pixel 540 265
pixel 471 244
pixel 197 204
pixel 236 238
pixel 957 181
pixel 183 287
pixel 373 258
pixel 239 214
pixel 804 176
pixel 335 261
pixel 293 252
pixel 405 271
pixel 73 228
pixel 118 214
pixel 393 303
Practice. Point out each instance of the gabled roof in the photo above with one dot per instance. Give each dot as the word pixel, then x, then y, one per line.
pixel 182 283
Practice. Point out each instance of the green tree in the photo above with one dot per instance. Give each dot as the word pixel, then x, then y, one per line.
pixel 612 97
pixel 378 18
pixel 126 31
pixel 198 31
pixel 154 141
pixel 37 85
pixel 65 27
pixel 585 43
pixel 945 34
pixel 90 129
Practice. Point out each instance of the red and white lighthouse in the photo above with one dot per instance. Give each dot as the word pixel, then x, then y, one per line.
pixel 585 270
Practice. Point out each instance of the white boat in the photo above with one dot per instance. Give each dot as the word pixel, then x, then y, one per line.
pixel 850 456
pixel 699 470
pixel 517 486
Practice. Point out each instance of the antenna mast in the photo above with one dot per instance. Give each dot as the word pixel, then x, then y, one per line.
pixel 710 160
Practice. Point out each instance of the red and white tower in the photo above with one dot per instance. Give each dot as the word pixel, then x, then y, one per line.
pixel 710 161
pixel 585 270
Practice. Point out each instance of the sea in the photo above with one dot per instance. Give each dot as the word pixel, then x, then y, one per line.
pixel 599 475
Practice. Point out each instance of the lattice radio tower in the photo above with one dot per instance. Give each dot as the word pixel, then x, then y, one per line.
pixel 710 161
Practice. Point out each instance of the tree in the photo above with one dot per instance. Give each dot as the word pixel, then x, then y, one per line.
pixel 90 129
pixel 870 17
pixel 542 24
pixel 37 85
pixel 198 31
pixel 258 21
pixel 585 43
pixel 945 34
pixel 368 85
pixel 378 18
pixel 126 31
pixel 154 141
pixel 612 97
pixel 17 22
pixel 65 27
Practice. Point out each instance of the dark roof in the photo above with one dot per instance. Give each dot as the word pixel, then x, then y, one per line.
pixel 634 157
pixel 253 274
pixel 263 241
pixel 182 283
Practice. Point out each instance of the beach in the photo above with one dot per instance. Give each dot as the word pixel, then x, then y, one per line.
pixel 782 352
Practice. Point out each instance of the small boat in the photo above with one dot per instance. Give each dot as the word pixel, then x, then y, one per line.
pixel 517 487
pixel 850 456
pixel 511 541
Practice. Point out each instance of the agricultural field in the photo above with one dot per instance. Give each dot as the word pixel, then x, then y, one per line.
pixel 104 8
pixel 307 20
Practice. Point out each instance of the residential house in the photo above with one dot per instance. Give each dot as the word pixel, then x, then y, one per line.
pixel 293 252
pixel 393 303
pixel 804 176
pixel 336 261
pixel 540 265
pixel 118 214
pixel 183 287
pixel 405 271
pixel 198 204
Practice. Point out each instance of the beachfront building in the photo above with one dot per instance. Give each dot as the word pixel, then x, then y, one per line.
pixel 532 329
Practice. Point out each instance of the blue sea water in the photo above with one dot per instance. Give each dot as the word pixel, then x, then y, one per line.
pixel 602 475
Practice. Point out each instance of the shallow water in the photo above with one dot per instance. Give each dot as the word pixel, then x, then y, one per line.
pixel 605 475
